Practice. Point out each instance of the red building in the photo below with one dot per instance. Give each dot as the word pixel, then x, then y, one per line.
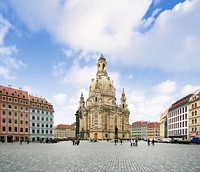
pixel 14 114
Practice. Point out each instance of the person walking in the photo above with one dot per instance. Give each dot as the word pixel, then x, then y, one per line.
pixel 148 141
pixel 136 142
pixel 121 141
pixel 115 141
pixel 153 141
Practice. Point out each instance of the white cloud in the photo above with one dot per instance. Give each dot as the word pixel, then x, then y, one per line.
pixel 101 26
pixel 7 62
pixel 188 89
pixel 166 87
pixel 60 99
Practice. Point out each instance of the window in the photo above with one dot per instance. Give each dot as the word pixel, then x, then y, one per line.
pixel 26 115
pixel 26 130
pixel 26 108
pixel 10 113
pixel 9 129
pixel 33 124
pixel 4 128
pixel 16 100
pixel 15 129
pixel 46 119
pixel 21 115
pixel 38 111
pixel 10 106
pixel 3 98
pixel 26 122
pixel 42 112
pixel 3 120
pixel 21 129
pixel 42 125
pixel 42 131
pixel 33 117
pixel 47 125
pixel 15 113
pixel 9 121
pixel 21 101
pixel 16 107
pixel 38 131
pixel 21 122
pixel 33 131
pixel 33 110
pixel 51 131
pixel 9 99
pixel 3 105
pixel 42 118
pixel 46 131
pixel 21 107
pixel 3 112
pixel 38 125
pixel 15 121
pixel 38 118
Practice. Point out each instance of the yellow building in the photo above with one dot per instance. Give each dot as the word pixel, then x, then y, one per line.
pixel 153 130
pixel 194 114
pixel 64 132
pixel 100 117
pixel 163 124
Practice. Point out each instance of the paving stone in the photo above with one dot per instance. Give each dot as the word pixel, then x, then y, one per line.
pixel 100 156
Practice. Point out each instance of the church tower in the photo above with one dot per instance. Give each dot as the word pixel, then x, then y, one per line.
pixel 100 117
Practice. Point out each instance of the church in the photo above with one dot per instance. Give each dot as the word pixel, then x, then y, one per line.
pixel 100 117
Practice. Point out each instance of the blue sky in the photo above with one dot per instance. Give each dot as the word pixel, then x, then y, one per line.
pixel 50 48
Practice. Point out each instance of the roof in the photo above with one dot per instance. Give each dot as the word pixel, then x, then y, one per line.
pixel 102 57
pixel 18 93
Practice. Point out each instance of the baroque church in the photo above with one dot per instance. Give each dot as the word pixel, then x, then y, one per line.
pixel 100 117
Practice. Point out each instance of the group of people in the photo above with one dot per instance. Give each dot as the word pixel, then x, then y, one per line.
pixel 152 142
pixel 76 141
pixel 134 142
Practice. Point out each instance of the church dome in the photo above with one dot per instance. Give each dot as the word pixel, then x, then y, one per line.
pixel 102 84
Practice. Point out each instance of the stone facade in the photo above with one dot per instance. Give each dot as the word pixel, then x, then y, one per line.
pixel 100 117
pixel 194 114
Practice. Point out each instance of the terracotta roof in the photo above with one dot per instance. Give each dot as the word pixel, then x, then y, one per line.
pixel 65 126
pixel 39 100
pixel 18 93
pixel 181 102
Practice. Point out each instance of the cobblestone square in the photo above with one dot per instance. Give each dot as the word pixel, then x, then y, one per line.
pixel 100 156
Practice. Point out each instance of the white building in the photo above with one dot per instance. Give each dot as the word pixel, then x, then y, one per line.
pixel 41 119
pixel 178 118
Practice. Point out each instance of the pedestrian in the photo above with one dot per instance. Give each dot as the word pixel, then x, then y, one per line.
pixel 148 141
pixel 20 141
pixel 136 142
pixel 121 141
pixel 131 141
pixel 115 141
pixel 153 141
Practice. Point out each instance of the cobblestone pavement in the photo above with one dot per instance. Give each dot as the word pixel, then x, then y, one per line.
pixel 101 156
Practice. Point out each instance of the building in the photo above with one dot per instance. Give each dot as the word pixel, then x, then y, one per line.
pixel 41 119
pixel 139 130
pixel 24 117
pixel 64 131
pixel 14 114
pixel 100 117
pixel 178 118
pixel 163 124
pixel 194 114
pixel 153 130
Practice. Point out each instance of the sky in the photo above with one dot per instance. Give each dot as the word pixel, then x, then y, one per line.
pixel 51 47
